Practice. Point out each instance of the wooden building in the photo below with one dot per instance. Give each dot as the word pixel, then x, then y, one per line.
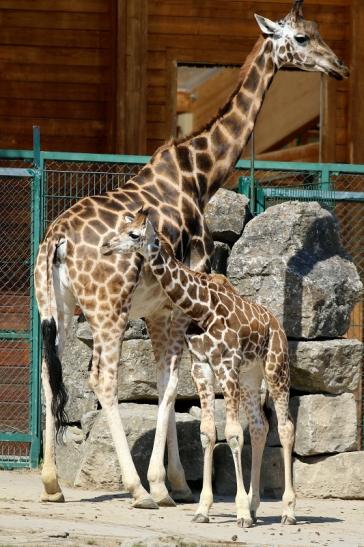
pixel 101 75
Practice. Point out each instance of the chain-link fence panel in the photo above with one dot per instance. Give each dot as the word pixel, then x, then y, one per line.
pixel 65 182
pixel 16 260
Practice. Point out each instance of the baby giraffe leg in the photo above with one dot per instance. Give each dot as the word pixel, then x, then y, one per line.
pixel 204 382
pixel 280 396
pixel 286 436
pixel 235 438
pixel 159 327
pixel 250 382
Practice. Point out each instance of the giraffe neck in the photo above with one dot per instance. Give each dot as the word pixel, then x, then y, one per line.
pixel 181 285
pixel 219 146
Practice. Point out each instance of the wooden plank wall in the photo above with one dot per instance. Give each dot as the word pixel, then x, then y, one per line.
pixel 215 32
pixel 56 71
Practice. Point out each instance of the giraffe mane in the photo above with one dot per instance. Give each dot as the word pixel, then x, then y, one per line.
pixel 244 71
pixel 222 280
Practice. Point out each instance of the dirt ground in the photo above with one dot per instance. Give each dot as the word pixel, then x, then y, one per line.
pixel 107 519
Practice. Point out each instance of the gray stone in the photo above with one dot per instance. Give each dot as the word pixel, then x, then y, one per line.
pixel 272 471
pixel 226 214
pixel 290 259
pixel 137 378
pixel 100 468
pixel 136 329
pixel 338 476
pixel 331 366
pixel 69 454
pixel 75 361
pixel 324 424
pixel 220 421
pixel 220 258
pixel 87 421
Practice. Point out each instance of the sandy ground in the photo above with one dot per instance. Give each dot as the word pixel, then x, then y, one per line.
pixel 106 518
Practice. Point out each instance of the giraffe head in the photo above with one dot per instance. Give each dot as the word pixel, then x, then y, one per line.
pixel 297 43
pixel 136 234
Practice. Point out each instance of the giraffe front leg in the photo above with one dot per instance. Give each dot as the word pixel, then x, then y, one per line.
pixel 156 471
pixel 229 381
pixel 204 381
pixel 103 380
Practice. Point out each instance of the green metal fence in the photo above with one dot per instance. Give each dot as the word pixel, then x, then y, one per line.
pixel 20 191
pixel 35 187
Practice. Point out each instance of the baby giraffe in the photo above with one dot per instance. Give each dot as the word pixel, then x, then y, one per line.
pixel 239 343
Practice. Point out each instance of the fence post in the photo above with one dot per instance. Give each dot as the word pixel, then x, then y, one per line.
pixel 36 211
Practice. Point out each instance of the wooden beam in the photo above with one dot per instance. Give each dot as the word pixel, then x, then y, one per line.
pixel 130 79
pixel 292 102
pixel 304 153
pixel 328 120
pixel 184 102
pixel 356 102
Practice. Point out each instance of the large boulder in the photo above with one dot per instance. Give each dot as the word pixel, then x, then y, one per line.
pixel 220 420
pixel 226 215
pixel 69 454
pixel 272 471
pixel 329 366
pixel 137 375
pixel 324 424
pixel 220 258
pixel 99 467
pixel 75 363
pixel 135 329
pixel 338 476
pixel 290 259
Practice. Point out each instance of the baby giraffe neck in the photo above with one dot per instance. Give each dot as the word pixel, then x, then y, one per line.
pixel 181 286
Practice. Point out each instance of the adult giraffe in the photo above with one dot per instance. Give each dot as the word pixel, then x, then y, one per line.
pixel 175 187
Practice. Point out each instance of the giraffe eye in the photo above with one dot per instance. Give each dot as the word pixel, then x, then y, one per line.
pixel 133 235
pixel 301 38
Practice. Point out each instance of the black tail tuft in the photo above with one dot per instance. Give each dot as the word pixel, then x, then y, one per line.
pixel 60 397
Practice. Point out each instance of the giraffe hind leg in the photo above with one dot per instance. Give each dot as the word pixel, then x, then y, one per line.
pixel 54 331
pixel 250 382
pixel 280 395
pixel 204 380
pixel 56 418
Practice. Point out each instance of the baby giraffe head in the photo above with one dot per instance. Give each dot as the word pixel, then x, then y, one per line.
pixel 297 43
pixel 136 234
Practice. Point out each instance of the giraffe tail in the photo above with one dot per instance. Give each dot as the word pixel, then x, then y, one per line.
pixel 50 335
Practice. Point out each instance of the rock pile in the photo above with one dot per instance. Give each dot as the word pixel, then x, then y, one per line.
pixel 291 260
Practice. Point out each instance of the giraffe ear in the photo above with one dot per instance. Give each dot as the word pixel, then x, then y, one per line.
pixel 267 26
pixel 149 232
pixel 297 9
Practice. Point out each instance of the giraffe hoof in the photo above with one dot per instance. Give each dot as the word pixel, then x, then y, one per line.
pixel 245 523
pixel 254 516
pixel 199 517
pixel 57 497
pixel 288 520
pixel 145 503
pixel 167 501
pixel 183 496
